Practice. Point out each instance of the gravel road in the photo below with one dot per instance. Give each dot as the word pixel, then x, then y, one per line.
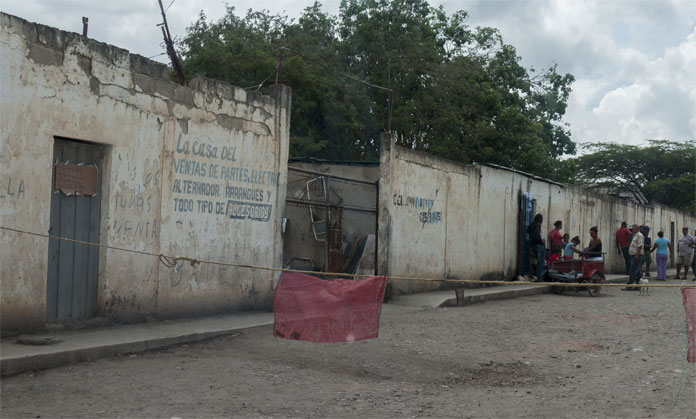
pixel 616 355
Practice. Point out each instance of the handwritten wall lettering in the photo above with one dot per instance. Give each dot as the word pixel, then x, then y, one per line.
pixel 140 202
pixel 189 187
pixel 205 150
pixel 244 210
pixel 133 228
pixel 247 194
pixel 151 177
pixel 189 167
pixel 12 189
pixel 429 217
pixel 207 183
pixel 412 201
pixel 183 205
pixel 134 205
pixel 417 202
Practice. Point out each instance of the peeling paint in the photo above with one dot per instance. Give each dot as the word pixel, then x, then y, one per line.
pixel 61 85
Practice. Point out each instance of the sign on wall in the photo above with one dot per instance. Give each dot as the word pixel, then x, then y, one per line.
pixel 76 179
pixel 209 180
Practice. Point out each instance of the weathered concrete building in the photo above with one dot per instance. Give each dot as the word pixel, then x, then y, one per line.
pixel 98 145
pixel 441 219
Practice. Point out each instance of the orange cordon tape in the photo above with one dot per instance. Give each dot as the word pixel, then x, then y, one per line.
pixel 171 261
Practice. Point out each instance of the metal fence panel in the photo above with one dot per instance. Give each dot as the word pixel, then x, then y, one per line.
pixel 330 223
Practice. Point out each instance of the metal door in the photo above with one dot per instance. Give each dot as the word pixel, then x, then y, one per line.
pixel 673 243
pixel 72 267
pixel 525 217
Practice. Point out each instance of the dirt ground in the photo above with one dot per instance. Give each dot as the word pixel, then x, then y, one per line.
pixel 617 355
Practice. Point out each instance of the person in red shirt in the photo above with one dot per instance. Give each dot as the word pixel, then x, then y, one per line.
pixel 623 241
pixel 556 238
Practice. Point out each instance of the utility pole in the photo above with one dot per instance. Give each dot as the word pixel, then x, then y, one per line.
pixel 170 47
pixel 279 73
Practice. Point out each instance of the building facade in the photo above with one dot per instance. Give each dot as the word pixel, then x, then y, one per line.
pixel 441 219
pixel 98 145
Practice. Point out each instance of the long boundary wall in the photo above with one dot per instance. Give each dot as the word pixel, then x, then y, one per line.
pixel 160 142
pixel 440 219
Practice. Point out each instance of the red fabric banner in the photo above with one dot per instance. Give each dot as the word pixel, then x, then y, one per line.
pixel 317 310
pixel 689 295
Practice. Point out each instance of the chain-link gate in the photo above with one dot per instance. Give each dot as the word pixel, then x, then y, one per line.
pixel 330 223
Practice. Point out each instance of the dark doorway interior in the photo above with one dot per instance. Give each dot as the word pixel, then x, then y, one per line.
pixel 526 215
pixel 673 243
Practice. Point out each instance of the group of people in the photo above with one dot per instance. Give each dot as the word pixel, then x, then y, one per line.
pixel 560 246
pixel 636 246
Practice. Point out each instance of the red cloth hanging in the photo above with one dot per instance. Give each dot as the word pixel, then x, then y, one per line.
pixel 317 310
pixel 689 295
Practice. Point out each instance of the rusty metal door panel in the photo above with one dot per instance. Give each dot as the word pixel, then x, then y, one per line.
pixel 71 292
pixel 335 240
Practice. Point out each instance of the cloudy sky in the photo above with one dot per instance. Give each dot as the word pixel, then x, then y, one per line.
pixel 634 60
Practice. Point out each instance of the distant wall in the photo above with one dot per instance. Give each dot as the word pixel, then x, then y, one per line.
pixel 197 171
pixel 441 219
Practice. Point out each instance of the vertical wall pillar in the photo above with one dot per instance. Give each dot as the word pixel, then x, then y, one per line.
pixel 282 95
pixel 385 192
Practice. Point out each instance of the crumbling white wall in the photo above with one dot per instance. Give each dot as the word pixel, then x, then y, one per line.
pixel 196 171
pixel 440 219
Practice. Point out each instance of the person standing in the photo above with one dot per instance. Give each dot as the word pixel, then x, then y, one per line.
pixel 693 259
pixel 536 244
pixel 634 250
pixel 685 251
pixel 663 251
pixel 556 238
pixel 647 259
pixel 623 241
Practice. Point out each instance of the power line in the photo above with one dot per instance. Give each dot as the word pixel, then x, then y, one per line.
pixel 350 76
pixel 258 86
pixel 347 75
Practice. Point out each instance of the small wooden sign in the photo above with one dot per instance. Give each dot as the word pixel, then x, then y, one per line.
pixel 76 179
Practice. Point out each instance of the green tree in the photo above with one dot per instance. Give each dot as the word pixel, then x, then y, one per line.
pixel 456 92
pixel 459 93
pixel 328 113
pixel 661 172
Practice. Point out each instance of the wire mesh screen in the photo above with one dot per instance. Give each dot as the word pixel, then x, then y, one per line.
pixel 330 223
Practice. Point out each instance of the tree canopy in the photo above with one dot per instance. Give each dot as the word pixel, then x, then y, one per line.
pixel 458 92
pixel 661 172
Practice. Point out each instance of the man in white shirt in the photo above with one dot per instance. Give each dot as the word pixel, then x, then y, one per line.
pixel 634 251
pixel 685 251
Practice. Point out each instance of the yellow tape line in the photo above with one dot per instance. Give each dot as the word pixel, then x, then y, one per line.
pixel 171 261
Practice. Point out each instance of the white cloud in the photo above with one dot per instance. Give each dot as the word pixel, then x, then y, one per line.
pixel 652 98
pixel 633 61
